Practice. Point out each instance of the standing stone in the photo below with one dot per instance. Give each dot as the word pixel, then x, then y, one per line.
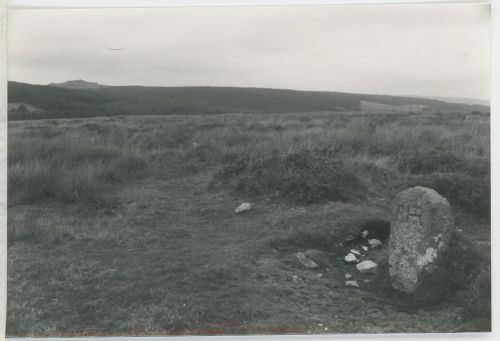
pixel 421 228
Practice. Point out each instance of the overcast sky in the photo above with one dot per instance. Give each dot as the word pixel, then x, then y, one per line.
pixel 427 50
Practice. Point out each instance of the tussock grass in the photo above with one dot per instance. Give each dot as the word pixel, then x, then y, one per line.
pixel 67 170
pixel 311 157
pixel 468 192
pixel 302 158
pixel 343 157
pixel 307 176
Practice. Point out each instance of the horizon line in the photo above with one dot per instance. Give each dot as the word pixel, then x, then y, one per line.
pixel 435 97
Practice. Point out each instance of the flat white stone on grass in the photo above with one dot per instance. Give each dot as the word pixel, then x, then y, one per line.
pixel 364 234
pixel 348 276
pixel 366 266
pixel 243 207
pixel 365 248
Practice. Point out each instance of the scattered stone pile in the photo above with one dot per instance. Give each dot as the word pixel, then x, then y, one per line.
pixel 358 256
pixel 420 232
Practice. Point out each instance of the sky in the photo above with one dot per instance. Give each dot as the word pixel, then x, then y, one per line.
pixel 422 50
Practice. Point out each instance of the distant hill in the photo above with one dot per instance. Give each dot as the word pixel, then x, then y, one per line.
pixel 86 99
pixel 78 84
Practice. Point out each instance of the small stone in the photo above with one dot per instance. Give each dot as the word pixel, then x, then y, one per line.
pixel 295 278
pixel 365 248
pixel 243 207
pixel 319 257
pixel 366 266
pixel 349 239
pixel 367 281
pixel 306 261
pixel 353 284
pixel 350 258
pixel 374 243
pixel 355 252
pixel 364 234
pixel 348 276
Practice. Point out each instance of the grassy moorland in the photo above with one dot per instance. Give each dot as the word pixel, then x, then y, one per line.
pixel 122 225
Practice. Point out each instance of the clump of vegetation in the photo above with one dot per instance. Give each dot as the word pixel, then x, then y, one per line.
pixel 307 176
pixel 471 193
pixel 430 161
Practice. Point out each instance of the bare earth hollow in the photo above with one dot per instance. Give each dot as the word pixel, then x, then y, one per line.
pixel 153 246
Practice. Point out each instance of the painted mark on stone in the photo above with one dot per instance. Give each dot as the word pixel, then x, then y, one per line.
pixel 427 258
pixel 407 212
